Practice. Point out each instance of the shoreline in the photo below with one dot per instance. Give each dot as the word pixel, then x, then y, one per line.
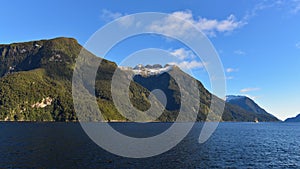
pixel 123 121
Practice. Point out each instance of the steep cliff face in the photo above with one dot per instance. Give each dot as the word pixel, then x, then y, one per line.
pixel 36 81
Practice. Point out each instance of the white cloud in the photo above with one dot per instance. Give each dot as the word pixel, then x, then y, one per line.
pixel 182 53
pixel 246 90
pixel 229 77
pixel 298 45
pixel 253 97
pixel 230 70
pixel 189 64
pixel 296 9
pixel 292 6
pixel 296 6
pixel 259 7
pixel 239 52
pixel 185 59
pixel 127 21
pixel 107 15
pixel 210 27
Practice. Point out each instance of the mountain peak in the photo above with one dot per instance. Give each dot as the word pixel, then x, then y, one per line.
pixel 50 54
pixel 148 70
pixel 247 104
pixel 57 39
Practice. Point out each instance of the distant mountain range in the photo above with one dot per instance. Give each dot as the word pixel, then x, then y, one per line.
pixel 293 119
pixel 36 85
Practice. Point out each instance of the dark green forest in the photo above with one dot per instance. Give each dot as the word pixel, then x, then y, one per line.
pixel 36 85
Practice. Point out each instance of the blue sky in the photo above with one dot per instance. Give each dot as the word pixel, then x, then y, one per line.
pixel 258 41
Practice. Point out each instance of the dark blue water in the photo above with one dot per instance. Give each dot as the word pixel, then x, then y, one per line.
pixel 233 145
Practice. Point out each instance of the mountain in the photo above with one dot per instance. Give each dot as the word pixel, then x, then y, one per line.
pixel 246 103
pixel 159 77
pixel 35 82
pixel 249 105
pixel 148 70
pixel 36 85
pixel 293 119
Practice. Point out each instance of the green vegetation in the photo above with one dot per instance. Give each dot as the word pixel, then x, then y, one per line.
pixel 21 90
pixel 36 85
pixel 36 70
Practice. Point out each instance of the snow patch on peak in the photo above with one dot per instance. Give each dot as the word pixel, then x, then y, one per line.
pixel 148 70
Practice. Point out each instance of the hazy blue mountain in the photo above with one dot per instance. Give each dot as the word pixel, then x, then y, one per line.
pixel 249 105
pixel 293 119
